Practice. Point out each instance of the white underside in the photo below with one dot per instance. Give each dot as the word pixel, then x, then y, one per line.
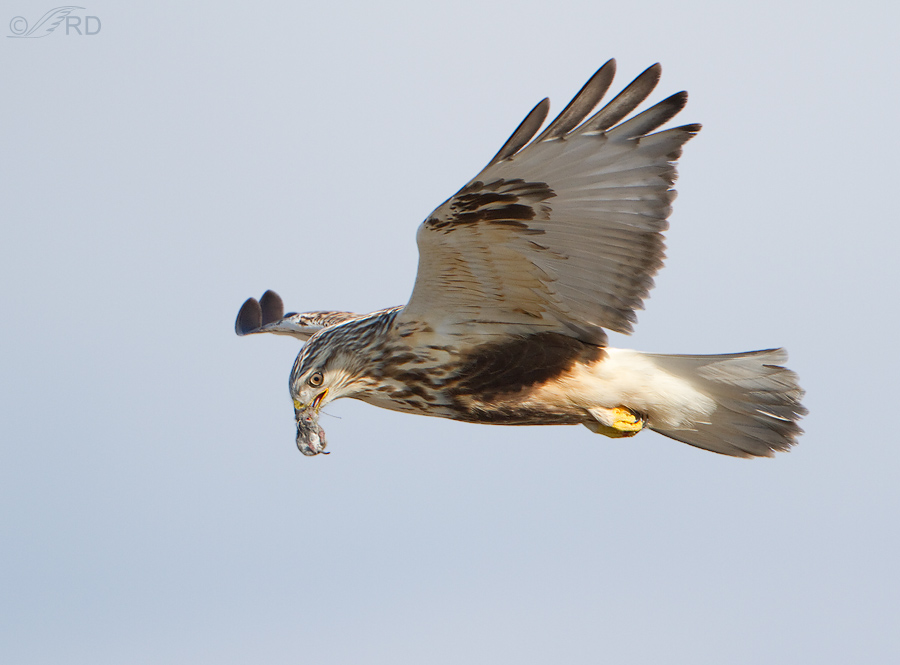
pixel 629 378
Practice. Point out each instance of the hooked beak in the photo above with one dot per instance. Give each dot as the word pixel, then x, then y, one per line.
pixel 310 437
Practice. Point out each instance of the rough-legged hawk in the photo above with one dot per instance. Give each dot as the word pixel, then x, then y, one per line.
pixel 520 272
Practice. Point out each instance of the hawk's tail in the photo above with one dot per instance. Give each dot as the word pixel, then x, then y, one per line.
pixel 757 402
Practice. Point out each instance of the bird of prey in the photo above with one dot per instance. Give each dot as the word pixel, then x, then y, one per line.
pixel 520 272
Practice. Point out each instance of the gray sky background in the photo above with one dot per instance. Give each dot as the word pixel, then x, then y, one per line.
pixel 189 155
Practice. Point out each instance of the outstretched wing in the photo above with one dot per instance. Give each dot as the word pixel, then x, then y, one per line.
pixel 562 233
pixel 266 315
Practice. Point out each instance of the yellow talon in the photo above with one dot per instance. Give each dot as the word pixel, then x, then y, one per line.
pixel 626 421
pixel 615 423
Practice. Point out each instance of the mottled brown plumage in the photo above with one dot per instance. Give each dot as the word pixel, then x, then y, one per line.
pixel 520 272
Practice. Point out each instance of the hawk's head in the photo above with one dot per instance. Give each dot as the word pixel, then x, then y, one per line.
pixel 333 364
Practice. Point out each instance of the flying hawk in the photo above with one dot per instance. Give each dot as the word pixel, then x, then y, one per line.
pixel 520 272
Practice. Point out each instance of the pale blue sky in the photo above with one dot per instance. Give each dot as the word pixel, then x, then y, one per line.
pixel 155 508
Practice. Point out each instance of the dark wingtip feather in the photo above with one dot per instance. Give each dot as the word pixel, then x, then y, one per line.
pixel 249 318
pixel 272 307
pixel 582 104
pixel 524 132
pixel 651 119
pixel 626 101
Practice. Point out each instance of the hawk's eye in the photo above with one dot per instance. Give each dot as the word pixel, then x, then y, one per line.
pixel 316 380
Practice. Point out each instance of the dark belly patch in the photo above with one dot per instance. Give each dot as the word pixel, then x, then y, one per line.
pixel 494 381
pixel 508 368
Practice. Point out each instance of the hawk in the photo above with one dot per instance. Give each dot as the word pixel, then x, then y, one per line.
pixel 520 272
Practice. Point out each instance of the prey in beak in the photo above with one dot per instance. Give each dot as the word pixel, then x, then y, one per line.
pixel 310 437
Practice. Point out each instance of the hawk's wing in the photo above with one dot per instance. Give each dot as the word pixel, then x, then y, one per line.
pixel 559 234
pixel 267 315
